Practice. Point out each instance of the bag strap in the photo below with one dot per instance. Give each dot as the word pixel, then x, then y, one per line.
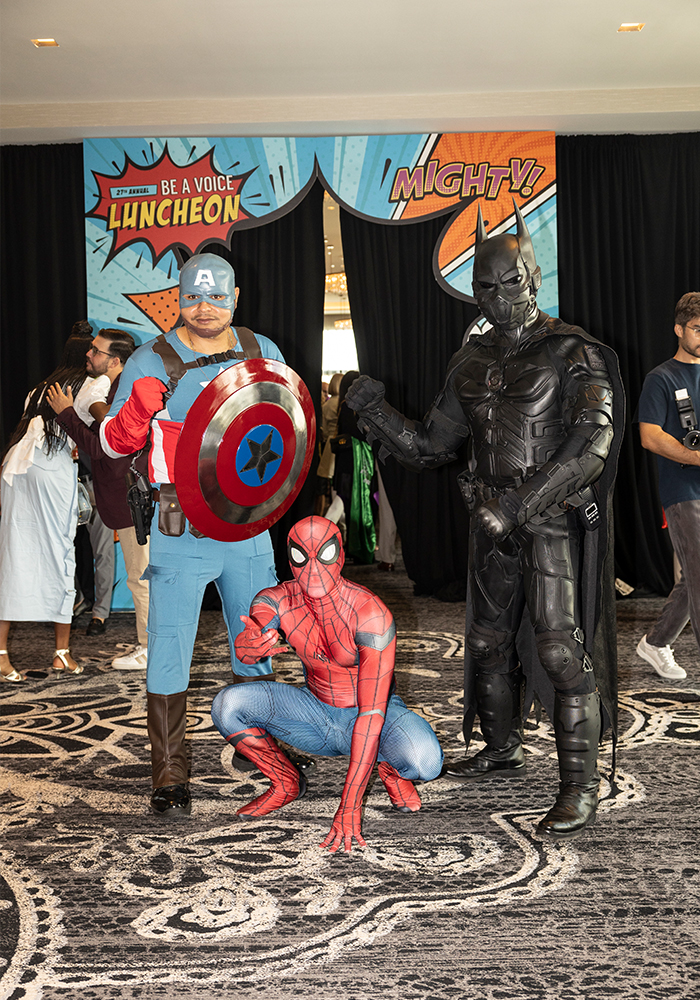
pixel 175 367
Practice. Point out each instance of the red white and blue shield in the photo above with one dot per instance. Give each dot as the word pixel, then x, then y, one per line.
pixel 245 449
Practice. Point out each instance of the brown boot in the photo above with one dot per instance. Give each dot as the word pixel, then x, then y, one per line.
pixel 167 717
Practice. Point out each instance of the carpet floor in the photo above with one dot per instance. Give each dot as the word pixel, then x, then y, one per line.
pixel 99 900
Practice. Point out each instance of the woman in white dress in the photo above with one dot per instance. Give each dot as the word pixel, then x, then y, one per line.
pixel 39 518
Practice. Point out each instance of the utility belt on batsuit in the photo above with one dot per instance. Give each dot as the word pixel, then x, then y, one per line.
pixel 171 516
pixel 476 492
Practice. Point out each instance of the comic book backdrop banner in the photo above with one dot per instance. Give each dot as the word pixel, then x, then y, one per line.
pixel 144 198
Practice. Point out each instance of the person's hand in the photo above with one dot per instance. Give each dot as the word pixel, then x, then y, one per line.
pixel 492 519
pixel 365 394
pixel 57 399
pixel 254 643
pixel 346 825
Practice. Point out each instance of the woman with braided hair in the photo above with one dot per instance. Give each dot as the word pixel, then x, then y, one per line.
pixel 40 516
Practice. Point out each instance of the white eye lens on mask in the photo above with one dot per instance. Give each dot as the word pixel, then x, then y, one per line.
pixel 296 555
pixel 329 552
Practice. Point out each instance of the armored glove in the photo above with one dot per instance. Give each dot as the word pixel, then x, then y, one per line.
pixel 365 394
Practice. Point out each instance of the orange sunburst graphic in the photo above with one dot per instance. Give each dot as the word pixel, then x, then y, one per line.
pixel 162 308
pixel 465 170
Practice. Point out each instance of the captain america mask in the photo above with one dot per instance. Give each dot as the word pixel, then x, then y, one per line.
pixel 207 277
pixel 316 555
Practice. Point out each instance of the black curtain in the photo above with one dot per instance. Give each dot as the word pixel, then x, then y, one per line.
pixel 42 271
pixel 280 270
pixel 407 328
pixel 629 247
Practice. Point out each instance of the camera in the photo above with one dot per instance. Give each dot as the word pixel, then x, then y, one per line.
pixel 692 440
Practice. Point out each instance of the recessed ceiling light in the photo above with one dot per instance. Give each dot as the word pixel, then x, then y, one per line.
pixel 42 43
pixel 636 26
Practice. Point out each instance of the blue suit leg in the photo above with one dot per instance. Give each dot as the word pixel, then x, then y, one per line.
pixel 248 568
pixel 289 713
pixel 409 744
pixel 178 572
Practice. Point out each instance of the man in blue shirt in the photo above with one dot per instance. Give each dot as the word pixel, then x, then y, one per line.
pixel 663 431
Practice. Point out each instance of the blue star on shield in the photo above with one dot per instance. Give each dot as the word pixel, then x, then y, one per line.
pixel 259 455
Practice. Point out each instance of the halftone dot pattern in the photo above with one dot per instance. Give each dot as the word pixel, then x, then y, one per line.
pixel 162 307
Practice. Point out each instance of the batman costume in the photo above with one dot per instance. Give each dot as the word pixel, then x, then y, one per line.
pixel 541 405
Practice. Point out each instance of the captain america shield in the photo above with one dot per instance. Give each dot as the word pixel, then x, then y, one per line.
pixel 245 449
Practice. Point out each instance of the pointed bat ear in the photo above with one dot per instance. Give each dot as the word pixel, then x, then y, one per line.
pixel 524 239
pixel 481 235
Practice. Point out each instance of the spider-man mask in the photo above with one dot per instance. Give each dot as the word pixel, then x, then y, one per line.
pixel 316 555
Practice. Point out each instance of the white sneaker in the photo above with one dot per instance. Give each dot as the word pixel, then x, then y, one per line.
pixel 661 659
pixel 134 659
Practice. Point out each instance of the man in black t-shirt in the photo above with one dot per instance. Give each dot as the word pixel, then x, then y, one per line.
pixel 663 430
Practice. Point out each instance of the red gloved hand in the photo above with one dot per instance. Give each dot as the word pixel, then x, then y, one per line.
pixel 128 430
pixel 253 644
pixel 347 824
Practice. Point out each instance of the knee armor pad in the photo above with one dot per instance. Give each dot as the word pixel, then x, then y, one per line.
pixel 562 656
pixel 492 649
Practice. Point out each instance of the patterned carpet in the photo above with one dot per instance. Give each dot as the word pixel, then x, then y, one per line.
pixel 98 899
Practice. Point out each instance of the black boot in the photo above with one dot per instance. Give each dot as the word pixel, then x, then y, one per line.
pixel 499 706
pixel 577 731
pixel 167 716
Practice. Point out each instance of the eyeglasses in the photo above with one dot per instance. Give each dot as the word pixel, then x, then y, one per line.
pixel 96 350
pixel 694 329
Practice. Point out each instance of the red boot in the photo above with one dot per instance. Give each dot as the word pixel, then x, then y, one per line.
pixel 401 791
pixel 287 784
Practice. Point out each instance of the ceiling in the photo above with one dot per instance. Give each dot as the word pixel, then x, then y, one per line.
pixel 309 67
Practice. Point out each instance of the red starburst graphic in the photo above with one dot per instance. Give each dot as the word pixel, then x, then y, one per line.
pixel 166 206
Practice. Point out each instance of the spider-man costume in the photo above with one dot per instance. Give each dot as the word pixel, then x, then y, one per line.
pixel 346 639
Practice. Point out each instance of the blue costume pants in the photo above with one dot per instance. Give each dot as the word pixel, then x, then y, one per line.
pixel 178 572
pixel 297 717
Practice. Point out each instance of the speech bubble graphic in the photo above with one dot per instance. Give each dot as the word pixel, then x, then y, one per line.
pixel 166 206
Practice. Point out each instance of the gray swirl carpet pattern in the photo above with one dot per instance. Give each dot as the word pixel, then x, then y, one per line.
pixel 99 900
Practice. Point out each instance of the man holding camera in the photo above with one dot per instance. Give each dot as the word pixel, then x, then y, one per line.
pixel 669 407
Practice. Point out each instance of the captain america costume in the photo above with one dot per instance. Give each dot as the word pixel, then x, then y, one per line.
pixel 180 567
pixel 346 639
pixel 184 559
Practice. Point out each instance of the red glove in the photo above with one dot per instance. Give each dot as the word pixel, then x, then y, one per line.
pixel 347 824
pixel 128 430
pixel 252 644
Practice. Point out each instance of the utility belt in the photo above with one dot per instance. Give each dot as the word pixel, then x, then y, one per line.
pixel 142 499
pixel 476 492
